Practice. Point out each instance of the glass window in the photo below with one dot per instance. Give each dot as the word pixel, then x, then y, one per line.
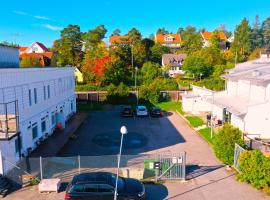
pixel 91 188
pixel 30 97
pixel 44 92
pixel 49 91
pixel 105 188
pixel 53 118
pixel 78 188
pixel 35 95
pixel 34 131
pixel 43 126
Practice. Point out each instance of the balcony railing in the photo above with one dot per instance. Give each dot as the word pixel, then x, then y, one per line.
pixel 9 120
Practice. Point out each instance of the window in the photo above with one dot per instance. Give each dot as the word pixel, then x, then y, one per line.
pixel 91 188
pixel 43 126
pixel 78 188
pixel 53 119
pixel 105 188
pixel 34 131
pixel 44 92
pixel 18 144
pixel 30 97
pixel 35 95
pixel 49 91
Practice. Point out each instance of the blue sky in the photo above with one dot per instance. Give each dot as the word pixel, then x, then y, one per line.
pixel 25 21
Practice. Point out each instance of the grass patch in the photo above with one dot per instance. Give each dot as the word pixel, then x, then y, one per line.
pixel 89 106
pixel 195 121
pixel 206 134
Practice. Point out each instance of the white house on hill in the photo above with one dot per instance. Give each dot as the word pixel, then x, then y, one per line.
pixel 245 103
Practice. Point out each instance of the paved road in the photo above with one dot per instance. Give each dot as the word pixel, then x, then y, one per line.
pixel 207 178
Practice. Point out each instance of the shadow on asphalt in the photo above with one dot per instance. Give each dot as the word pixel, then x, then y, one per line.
pixel 194 171
pixel 156 192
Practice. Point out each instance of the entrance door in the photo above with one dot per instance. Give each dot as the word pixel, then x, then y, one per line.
pixel 226 116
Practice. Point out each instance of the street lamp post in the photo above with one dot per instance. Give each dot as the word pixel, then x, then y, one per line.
pixel 135 84
pixel 123 131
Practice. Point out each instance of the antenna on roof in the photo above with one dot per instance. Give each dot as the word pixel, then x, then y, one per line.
pixel 16 35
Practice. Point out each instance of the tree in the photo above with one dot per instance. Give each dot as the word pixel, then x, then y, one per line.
pixel 256 34
pixel 116 32
pixel 224 143
pixel 149 72
pixel 157 51
pixel 197 66
pixel 69 46
pixel 134 36
pixel 192 40
pixel 162 31
pixel 242 38
pixel 30 61
pixel 116 73
pixel 215 40
pixel 266 31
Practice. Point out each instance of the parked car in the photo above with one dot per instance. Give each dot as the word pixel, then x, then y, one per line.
pixel 101 185
pixel 127 112
pixel 156 112
pixel 141 111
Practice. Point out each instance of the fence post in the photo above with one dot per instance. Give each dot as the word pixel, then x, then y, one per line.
pixel 79 163
pixel 41 170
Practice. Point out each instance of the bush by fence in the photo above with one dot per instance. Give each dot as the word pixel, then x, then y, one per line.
pixel 255 169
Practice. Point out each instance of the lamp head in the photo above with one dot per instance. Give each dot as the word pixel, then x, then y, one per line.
pixel 123 130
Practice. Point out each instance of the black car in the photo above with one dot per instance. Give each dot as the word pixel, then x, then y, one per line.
pixel 101 186
pixel 127 112
pixel 156 112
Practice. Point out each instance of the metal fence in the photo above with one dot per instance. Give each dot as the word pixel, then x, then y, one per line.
pixel 257 143
pixel 172 166
pixel 237 152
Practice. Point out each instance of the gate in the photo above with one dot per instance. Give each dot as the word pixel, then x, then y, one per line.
pixel 237 152
pixel 170 166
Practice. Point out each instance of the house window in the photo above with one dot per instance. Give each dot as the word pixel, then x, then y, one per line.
pixel 34 131
pixel 43 126
pixel 35 95
pixel 53 118
pixel 44 92
pixel 18 144
pixel 30 97
pixel 49 91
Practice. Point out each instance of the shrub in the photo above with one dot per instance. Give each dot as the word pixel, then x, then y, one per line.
pixel 255 169
pixel 117 94
pixel 224 143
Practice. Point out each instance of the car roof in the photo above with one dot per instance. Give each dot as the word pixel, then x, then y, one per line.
pixel 156 108
pixel 141 107
pixel 94 177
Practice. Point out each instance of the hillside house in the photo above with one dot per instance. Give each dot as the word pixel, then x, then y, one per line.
pixel 169 40
pixel 206 37
pixel 172 64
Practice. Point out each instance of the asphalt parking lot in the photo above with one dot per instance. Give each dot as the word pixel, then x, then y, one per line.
pixel 207 179
pixel 100 135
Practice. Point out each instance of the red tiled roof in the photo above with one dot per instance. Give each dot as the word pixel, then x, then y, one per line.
pixel 116 38
pixel 22 49
pixel 160 38
pixel 208 35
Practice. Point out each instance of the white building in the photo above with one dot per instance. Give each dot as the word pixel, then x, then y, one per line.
pixel 245 103
pixel 32 102
pixel 172 64
pixel 9 57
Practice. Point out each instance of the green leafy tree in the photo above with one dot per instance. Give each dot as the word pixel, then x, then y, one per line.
pixel 162 31
pixel 256 34
pixel 215 40
pixel 192 40
pixel 266 31
pixel 69 46
pixel 117 94
pixel 242 39
pixel 116 32
pixel 30 61
pixel 149 72
pixel 224 143
pixel 157 51
pixel 197 66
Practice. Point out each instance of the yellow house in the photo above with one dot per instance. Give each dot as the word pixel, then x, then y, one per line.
pixel 78 75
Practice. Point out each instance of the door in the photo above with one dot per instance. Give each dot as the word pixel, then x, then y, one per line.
pixel 106 191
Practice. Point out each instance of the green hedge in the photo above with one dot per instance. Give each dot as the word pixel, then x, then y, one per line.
pixel 255 169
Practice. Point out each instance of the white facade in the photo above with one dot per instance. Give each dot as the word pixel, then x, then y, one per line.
pixel 36 48
pixel 245 102
pixel 9 57
pixel 45 97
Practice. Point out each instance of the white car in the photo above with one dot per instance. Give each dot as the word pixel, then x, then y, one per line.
pixel 141 111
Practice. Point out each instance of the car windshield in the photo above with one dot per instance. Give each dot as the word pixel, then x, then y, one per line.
pixel 141 109
pixel 157 109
